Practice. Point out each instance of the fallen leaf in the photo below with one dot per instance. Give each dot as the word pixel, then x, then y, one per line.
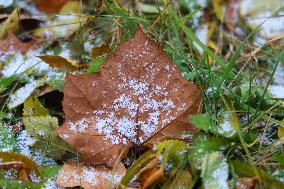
pixel 138 98
pixel 32 107
pixel 214 171
pixel 13 44
pixel 150 174
pixel 89 177
pixel 10 24
pixel 99 51
pixel 64 25
pixel 247 183
pixel 25 166
pixel 51 6
pixel 60 62
pixel 42 128
pixel 23 93
pixel 280 132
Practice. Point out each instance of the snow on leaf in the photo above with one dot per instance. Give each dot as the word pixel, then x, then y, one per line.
pixel 32 107
pixel 42 128
pixel 11 160
pixel 24 92
pixel 89 177
pixel 214 171
pixel 7 139
pixel 138 97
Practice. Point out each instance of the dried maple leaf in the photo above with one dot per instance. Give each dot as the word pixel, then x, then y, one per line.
pixel 12 43
pixel 138 97
pixel 89 177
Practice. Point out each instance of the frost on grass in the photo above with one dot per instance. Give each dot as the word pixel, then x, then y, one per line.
pixel 16 63
pixel 24 142
pixel 7 140
pixel 214 171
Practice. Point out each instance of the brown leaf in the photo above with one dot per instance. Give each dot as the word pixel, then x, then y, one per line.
pixel 89 177
pixel 50 6
pixel 24 166
pixel 13 44
pixel 60 62
pixel 99 51
pixel 247 183
pixel 138 97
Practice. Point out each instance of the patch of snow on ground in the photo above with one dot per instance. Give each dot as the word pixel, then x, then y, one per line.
pixel 51 184
pixel 24 142
pixel 201 34
pixel 277 90
pixel 5 3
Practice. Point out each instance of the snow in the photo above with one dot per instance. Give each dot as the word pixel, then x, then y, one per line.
pixel 51 184
pixel 24 142
pixel 201 34
pixel 23 93
pixel 277 91
pixel 126 127
pixel 261 13
pixel 6 3
pixel 226 128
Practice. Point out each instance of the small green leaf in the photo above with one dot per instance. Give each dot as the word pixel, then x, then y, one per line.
pixel 173 152
pixel 204 145
pixel 280 159
pixel 202 121
pixel 214 171
pixel 42 128
pixel 5 82
pixel 56 82
pixel 32 107
pixel 96 64
pixel 3 115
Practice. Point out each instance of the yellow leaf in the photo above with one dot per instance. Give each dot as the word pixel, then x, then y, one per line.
pixel 71 7
pixel 99 51
pixel 32 107
pixel 218 8
pixel 280 132
pixel 60 62
pixel 10 24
